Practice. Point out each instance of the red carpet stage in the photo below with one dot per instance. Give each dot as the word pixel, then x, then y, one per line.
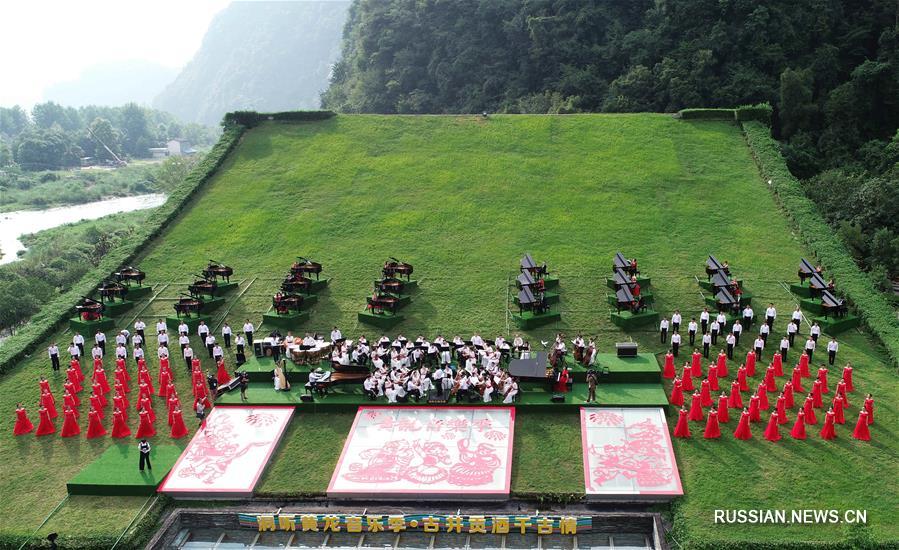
pixel 427 453
pixel 227 458
pixel 628 454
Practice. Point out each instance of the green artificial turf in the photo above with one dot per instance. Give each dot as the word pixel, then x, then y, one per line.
pixel 116 471
pixel 462 198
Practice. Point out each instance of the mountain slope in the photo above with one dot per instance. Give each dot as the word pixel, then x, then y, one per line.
pixel 114 83
pixel 264 56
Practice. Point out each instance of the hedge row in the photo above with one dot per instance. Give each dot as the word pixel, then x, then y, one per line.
pixel 874 310
pixel 46 322
pixel 761 112
pixel 707 114
pixel 250 119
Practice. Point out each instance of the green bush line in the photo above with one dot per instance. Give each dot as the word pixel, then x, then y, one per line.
pixel 57 312
pixel 821 239
pixel 249 119
pixel 761 112
pixel 707 114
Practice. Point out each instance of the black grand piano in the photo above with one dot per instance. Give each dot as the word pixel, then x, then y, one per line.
pixel 621 278
pixel 622 263
pixel 90 309
pixel 203 287
pixel 393 268
pixel 188 306
pixel 526 280
pixel 110 290
pixel 625 299
pixel 528 264
pixel 806 270
pixel 130 274
pixel 217 270
pixel 719 280
pixel 304 266
pixel 833 306
pixel 382 303
pixel 297 283
pixel 389 284
pixel 528 301
pixel 725 300
pixel 817 285
pixel 712 266
pixel 285 303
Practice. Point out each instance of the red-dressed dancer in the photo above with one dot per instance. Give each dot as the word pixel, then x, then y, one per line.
pixel 781 409
pixel 809 408
pixel 23 423
pixel 49 403
pixel 829 431
pixel 179 430
pixel 713 380
pixel 95 425
pixel 712 429
pixel 803 365
pixel 754 411
pixel 119 425
pixel 705 394
pixel 796 380
pixel 722 365
pixel 838 409
pixel 696 364
pixel 668 372
pixel 822 376
pixel 682 429
pixel 735 399
pixel 847 377
pixel 772 432
pixel 696 414
pixel 750 363
pixel 686 379
pixel 46 425
pixel 763 397
pixel 869 407
pixel 817 396
pixel 741 378
pixel 770 384
pixel 778 364
pixel 798 431
pixel 723 413
pixel 743 430
pixel 145 428
pixel 97 405
pixel 99 376
pixel 70 427
pixel 788 394
pixel 861 430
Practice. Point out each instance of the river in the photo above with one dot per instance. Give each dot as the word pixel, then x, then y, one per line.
pixel 21 222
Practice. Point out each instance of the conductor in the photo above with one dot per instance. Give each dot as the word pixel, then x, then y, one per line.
pixel 144 448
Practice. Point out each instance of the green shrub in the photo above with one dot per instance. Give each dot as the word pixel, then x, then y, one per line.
pixel 761 112
pixel 857 286
pixel 707 114
pixel 250 119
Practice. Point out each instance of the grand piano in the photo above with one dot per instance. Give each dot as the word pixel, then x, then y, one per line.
pixel 528 264
pixel 622 263
pixel 719 280
pixel 806 270
pixel 90 309
pixel 202 287
pixel 297 283
pixel 110 290
pixel 712 266
pixel 187 306
pixel 130 274
pixel 284 303
pixel 621 278
pixel 389 284
pixel 528 301
pixel 382 303
pixel 725 300
pixel 624 299
pixel 526 280
pixel 817 285
pixel 833 306
pixel 304 266
pixel 393 267
pixel 217 270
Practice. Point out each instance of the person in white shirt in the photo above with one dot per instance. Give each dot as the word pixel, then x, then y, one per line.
pixel 764 330
pixel 202 331
pixel 308 341
pixel 759 345
pixel 832 348
pixel 100 339
pixel 336 335
pixel 248 332
pixel 97 352
pixel 138 353
pixel 217 353
pixel 184 341
pixel 692 327
pixel 121 352
pixel 162 339
pixel 722 321
pixel 477 341
pixel 139 327
pixel 675 343
pixel 121 339
pixel 792 330
pixel 240 343
pixel 715 331
pixel 162 351
pixel 188 353
pixel 704 320
pixel 511 393
pixel 797 317
pixel 815 331
pixel 369 386
pixel 737 330
pixel 770 315
pixel 226 335
pixel 663 330
pixel 74 351
pixel 748 315
pixel 706 343
pixel 731 341
pixel 53 352
pixel 183 328
pixel 810 347
pixel 675 321
pixel 136 340
pixel 78 340
pixel 160 326
pixel 209 341
pixel 784 347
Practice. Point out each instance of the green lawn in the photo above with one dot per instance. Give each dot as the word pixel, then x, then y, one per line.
pixel 462 199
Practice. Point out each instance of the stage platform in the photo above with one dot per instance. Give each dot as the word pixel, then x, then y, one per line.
pixel 114 309
pixel 136 293
pixel 644 282
pixel 115 472
pixel 527 320
pixel 383 320
pixel 87 328
pixel 628 320
pixel 290 321
pixel 628 455
pixel 191 322
pixel 745 300
pixel 426 454
pixel 550 282
pixel 642 368
pixel 226 459
pixel 212 304
pixel 803 291
pixel 551 298
pixel 705 284
pixel 647 296
pixel 836 325
pixel 222 287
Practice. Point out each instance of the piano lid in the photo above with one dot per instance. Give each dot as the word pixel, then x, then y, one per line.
pixel 719 279
pixel 806 267
pixel 624 294
pixel 829 300
pixel 528 262
pixel 526 279
pixel 620 261
pixel 525 296
pixel 817 282
pixel 713 263
pixel 621 277
pixel 723 296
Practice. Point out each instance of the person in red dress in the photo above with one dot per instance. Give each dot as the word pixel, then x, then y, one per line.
pixel 70 388
pixel 46 425
pixel 861 430
pixel 809 408
pixel 165 379
pixel 173 403
pixel 798 431
pixel 788 394
pixel 49 403
pixel 722 365
pixel 76 364
pixel 69 400
pixel 772 432
pixel 686 379
pixel 796 380
pixel 838 409
pixel 750 363
pixel 44 385
pixel 171 389
pixel 712 429
pixel 70 427
pixel 668 371
pixel 803 365
pixel 822 376
pixel 743 430
pixel 829 431
pixel 741 378
pixel 817 397
pixel 97 405
pixel 713 380
pixel 778 364
pixel 705 394
pixel 122 379
pixel 23 423
pixel 120 363
pixel 847 377
pixel 869 407
pixel 119 424
pixel 145 428
pixel 179 430
pixel 770 384
pixel 754 411
pixel 143 377
pixel 764 405
pixel 696 413
pixel 781 409
pixel 99 376
pixel 841 390
pixel 120 402
pixel 723 413
pixel 98 391
pixel 147 405
pixel 682 429
pixel 696 363
pixel 735 399
pixel 561 385
pixel 94 425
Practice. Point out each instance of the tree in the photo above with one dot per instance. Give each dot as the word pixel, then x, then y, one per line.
pixel 13 121
pixel 48 114
pixel 136 138
pixel 102 135
pixel 796 107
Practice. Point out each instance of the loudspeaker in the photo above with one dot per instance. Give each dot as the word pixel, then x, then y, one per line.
pixel 626 349
pixel 257 349
pixel 306 398
pixel 558 398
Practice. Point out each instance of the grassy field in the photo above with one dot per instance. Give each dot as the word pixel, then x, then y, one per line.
pixel 462 198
